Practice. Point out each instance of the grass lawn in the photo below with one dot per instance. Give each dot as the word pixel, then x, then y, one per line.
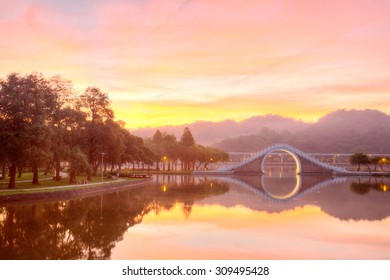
pixel 52 183
pixel 28 176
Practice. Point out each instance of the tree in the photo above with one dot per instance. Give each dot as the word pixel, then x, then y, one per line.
pixel 170 149
pixel 67 128
pixel 187 139
pixel 187 149
pixel 383 161
pixel 359 159
pixel 114 144
pixel 66 119
pixel 379 160
pixel 26 106
pixel 157 147
pixel 96 105
pixel 375 161
pixel 211 155
pixel 78 164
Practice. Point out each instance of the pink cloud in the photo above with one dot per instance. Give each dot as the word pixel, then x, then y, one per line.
pixel 213 48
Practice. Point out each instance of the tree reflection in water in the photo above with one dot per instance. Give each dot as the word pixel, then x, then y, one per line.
pixel 89 228
pixel 364 187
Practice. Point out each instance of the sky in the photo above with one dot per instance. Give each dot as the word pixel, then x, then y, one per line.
pixel 168 62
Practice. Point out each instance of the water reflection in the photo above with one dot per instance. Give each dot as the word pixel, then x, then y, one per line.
pixel 281 188
pixel 364 187
pixel 89 228
pixel 94 227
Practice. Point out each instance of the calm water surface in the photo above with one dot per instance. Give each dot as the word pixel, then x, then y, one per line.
pixel 277 216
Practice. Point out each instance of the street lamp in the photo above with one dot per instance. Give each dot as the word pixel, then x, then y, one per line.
pixel 102 166
pixel 164 161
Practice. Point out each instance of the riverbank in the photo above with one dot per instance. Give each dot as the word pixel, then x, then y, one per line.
pixel 21 196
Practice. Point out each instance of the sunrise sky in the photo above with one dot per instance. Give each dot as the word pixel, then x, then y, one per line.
pixel 177 61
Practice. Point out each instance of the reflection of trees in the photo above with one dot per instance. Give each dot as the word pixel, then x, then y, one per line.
pixel 363 188
pixel 186 193
pixel 89 228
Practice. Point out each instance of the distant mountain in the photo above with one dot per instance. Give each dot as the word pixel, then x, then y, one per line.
pixel 339 132
pixel 208 133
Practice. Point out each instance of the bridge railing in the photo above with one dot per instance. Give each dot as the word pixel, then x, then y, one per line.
pixel 263 152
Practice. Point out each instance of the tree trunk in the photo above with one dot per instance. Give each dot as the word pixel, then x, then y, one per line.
pixel 157 165
pixel 12 175
pixel 89 175
pixel 4 171
pixel 20 172
pixel 95 169
pixel 58 170
pixel 35 174
pixel 72 177
pixel 48 168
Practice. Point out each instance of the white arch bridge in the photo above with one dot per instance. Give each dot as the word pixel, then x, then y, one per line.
pixel 305 163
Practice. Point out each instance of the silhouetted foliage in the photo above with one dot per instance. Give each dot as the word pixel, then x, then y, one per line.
pixel 359 159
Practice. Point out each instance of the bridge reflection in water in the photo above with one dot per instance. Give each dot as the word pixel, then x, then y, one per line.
pixel 280 183
pixel 282 189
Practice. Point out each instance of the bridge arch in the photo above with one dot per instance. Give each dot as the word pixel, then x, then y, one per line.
pixel 291 153
pixel 305 163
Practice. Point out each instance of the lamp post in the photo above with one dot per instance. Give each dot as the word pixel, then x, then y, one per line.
pixel 164 161
pixel 102 166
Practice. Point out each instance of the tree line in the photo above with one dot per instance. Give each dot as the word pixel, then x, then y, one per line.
pixel 169 152
pixel 44 121
pixel 363 159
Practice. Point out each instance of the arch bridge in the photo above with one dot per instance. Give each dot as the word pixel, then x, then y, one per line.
pixel 305 163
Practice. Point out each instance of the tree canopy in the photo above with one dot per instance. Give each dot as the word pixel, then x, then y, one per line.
pixel 44 121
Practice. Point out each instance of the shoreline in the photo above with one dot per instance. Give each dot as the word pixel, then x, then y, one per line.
pixel 70 192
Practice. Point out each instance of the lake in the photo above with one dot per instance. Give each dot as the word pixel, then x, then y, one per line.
pixel 276 216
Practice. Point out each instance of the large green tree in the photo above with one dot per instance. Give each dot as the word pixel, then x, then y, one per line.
pixel 97 107
pixel 66 124
pixel 26 107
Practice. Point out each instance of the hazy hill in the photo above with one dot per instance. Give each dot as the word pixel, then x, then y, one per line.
pixel 341 131
pixel 208 133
